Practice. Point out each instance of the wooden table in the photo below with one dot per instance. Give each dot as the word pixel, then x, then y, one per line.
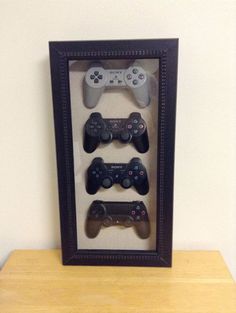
pixel 35 281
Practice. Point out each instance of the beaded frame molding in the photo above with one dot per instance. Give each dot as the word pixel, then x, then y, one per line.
pixel 166 50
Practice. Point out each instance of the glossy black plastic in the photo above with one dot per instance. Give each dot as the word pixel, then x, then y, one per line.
pixel 100 174
pixel 108 213
pixel 103 130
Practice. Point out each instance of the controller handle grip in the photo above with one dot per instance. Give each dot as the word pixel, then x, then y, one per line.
pixel 92 95
pixel 142 188
pixel 92 227
pixel 141 143
pixel 142 229
pixel 141 94
pixel 91 186
pixel 90 142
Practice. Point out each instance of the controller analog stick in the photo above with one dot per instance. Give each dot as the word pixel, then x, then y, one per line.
pixel 128 222
pixel 107 182
pixel 107 221
pixel 126 183
pixel 125 137
pixel 105 136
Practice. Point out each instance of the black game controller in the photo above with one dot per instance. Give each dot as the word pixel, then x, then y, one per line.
pixel 127 214
pixel 126 174
pixel 132 129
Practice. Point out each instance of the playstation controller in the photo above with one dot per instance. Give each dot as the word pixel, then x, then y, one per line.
pixel 97 79
pixel 127 214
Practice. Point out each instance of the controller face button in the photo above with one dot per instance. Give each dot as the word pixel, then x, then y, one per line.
pixel 141 76
pixel 141 173
pixel 136 177
pixel 97 176
pixel 107 183
pixel 135 121
pixel 129 126
pixel 130 173
pixel 135 71
pixel 133 212
pixel 143 212
pixel 135 82
pixel 138 207
pixel 141 126
pixel 135 131
pixel 129 76
pixel 138 218
pixel 136 167
pixel 93 172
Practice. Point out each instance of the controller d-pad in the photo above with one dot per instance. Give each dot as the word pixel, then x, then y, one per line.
pixel 96 172
pixel 94 127
pixel 135 70
pixel 97 211
pixel 135 82
pixel 96 76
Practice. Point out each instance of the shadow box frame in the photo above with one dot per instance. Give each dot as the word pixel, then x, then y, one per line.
pixel 61 53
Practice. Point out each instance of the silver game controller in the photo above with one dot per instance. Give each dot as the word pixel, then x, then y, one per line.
pixel 97 79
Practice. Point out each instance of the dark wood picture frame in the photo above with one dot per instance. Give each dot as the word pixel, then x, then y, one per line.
pixel 166 50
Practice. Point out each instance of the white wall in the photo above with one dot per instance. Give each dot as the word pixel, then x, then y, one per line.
pixel 205 176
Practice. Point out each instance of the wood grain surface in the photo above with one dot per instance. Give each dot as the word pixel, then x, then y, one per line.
pixel 35 281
